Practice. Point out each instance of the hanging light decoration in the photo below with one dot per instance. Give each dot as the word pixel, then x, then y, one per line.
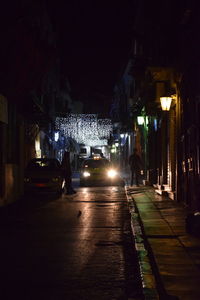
pixel 104 128
pixel 85 128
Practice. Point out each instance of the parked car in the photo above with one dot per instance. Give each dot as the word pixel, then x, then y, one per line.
pixel 97 171
pixel 44 175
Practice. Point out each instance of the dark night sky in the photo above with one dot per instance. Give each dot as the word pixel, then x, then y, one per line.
pixel 94 39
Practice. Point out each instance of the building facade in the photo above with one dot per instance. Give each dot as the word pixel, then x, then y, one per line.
pixel 163 62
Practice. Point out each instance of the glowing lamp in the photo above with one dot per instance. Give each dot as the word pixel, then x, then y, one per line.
pixel 140 120
pixel 112 173
pixel 113 150
pixel 56 136
pixel 165 103
pixel 86 174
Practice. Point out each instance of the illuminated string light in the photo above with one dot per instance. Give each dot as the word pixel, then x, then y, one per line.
pixel 85 128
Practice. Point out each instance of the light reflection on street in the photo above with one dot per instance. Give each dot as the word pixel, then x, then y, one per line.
pixel 74 244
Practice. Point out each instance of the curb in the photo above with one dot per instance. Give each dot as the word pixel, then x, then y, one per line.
pixel 147 276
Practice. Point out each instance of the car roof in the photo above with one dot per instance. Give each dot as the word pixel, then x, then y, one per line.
pixel 43 159
pixel 95 159
pixel 35 161
pixel 96 162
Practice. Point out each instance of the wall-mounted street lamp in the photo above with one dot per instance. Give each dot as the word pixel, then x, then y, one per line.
pixel 140 120
pixel 56 136
pixel 165 103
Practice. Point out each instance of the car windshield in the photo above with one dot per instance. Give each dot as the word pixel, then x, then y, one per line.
pixel 99 163
pixel 43 165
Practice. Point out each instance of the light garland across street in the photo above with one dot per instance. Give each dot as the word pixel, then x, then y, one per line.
pixel 85 128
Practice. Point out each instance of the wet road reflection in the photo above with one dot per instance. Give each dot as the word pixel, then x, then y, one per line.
pixel 73 247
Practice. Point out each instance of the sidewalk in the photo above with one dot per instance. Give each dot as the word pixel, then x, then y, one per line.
pixel 169 257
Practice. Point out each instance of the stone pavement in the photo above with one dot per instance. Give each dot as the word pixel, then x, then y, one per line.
pixel 169 257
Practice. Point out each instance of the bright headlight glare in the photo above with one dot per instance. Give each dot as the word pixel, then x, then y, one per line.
pixel 86 174
pixel 112 173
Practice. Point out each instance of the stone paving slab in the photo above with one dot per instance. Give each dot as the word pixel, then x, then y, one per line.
pixel 174 254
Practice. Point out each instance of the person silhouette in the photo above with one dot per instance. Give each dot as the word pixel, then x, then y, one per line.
pixel 135 163
pixel 67 173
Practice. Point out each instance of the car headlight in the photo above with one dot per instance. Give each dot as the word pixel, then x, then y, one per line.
pixel 86 174
pixel 112 173
pixel 63 184
pixel 27 179
pixel 55 179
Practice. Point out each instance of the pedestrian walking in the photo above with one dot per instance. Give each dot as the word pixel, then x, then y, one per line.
pixel 135 163
pixel 67 173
